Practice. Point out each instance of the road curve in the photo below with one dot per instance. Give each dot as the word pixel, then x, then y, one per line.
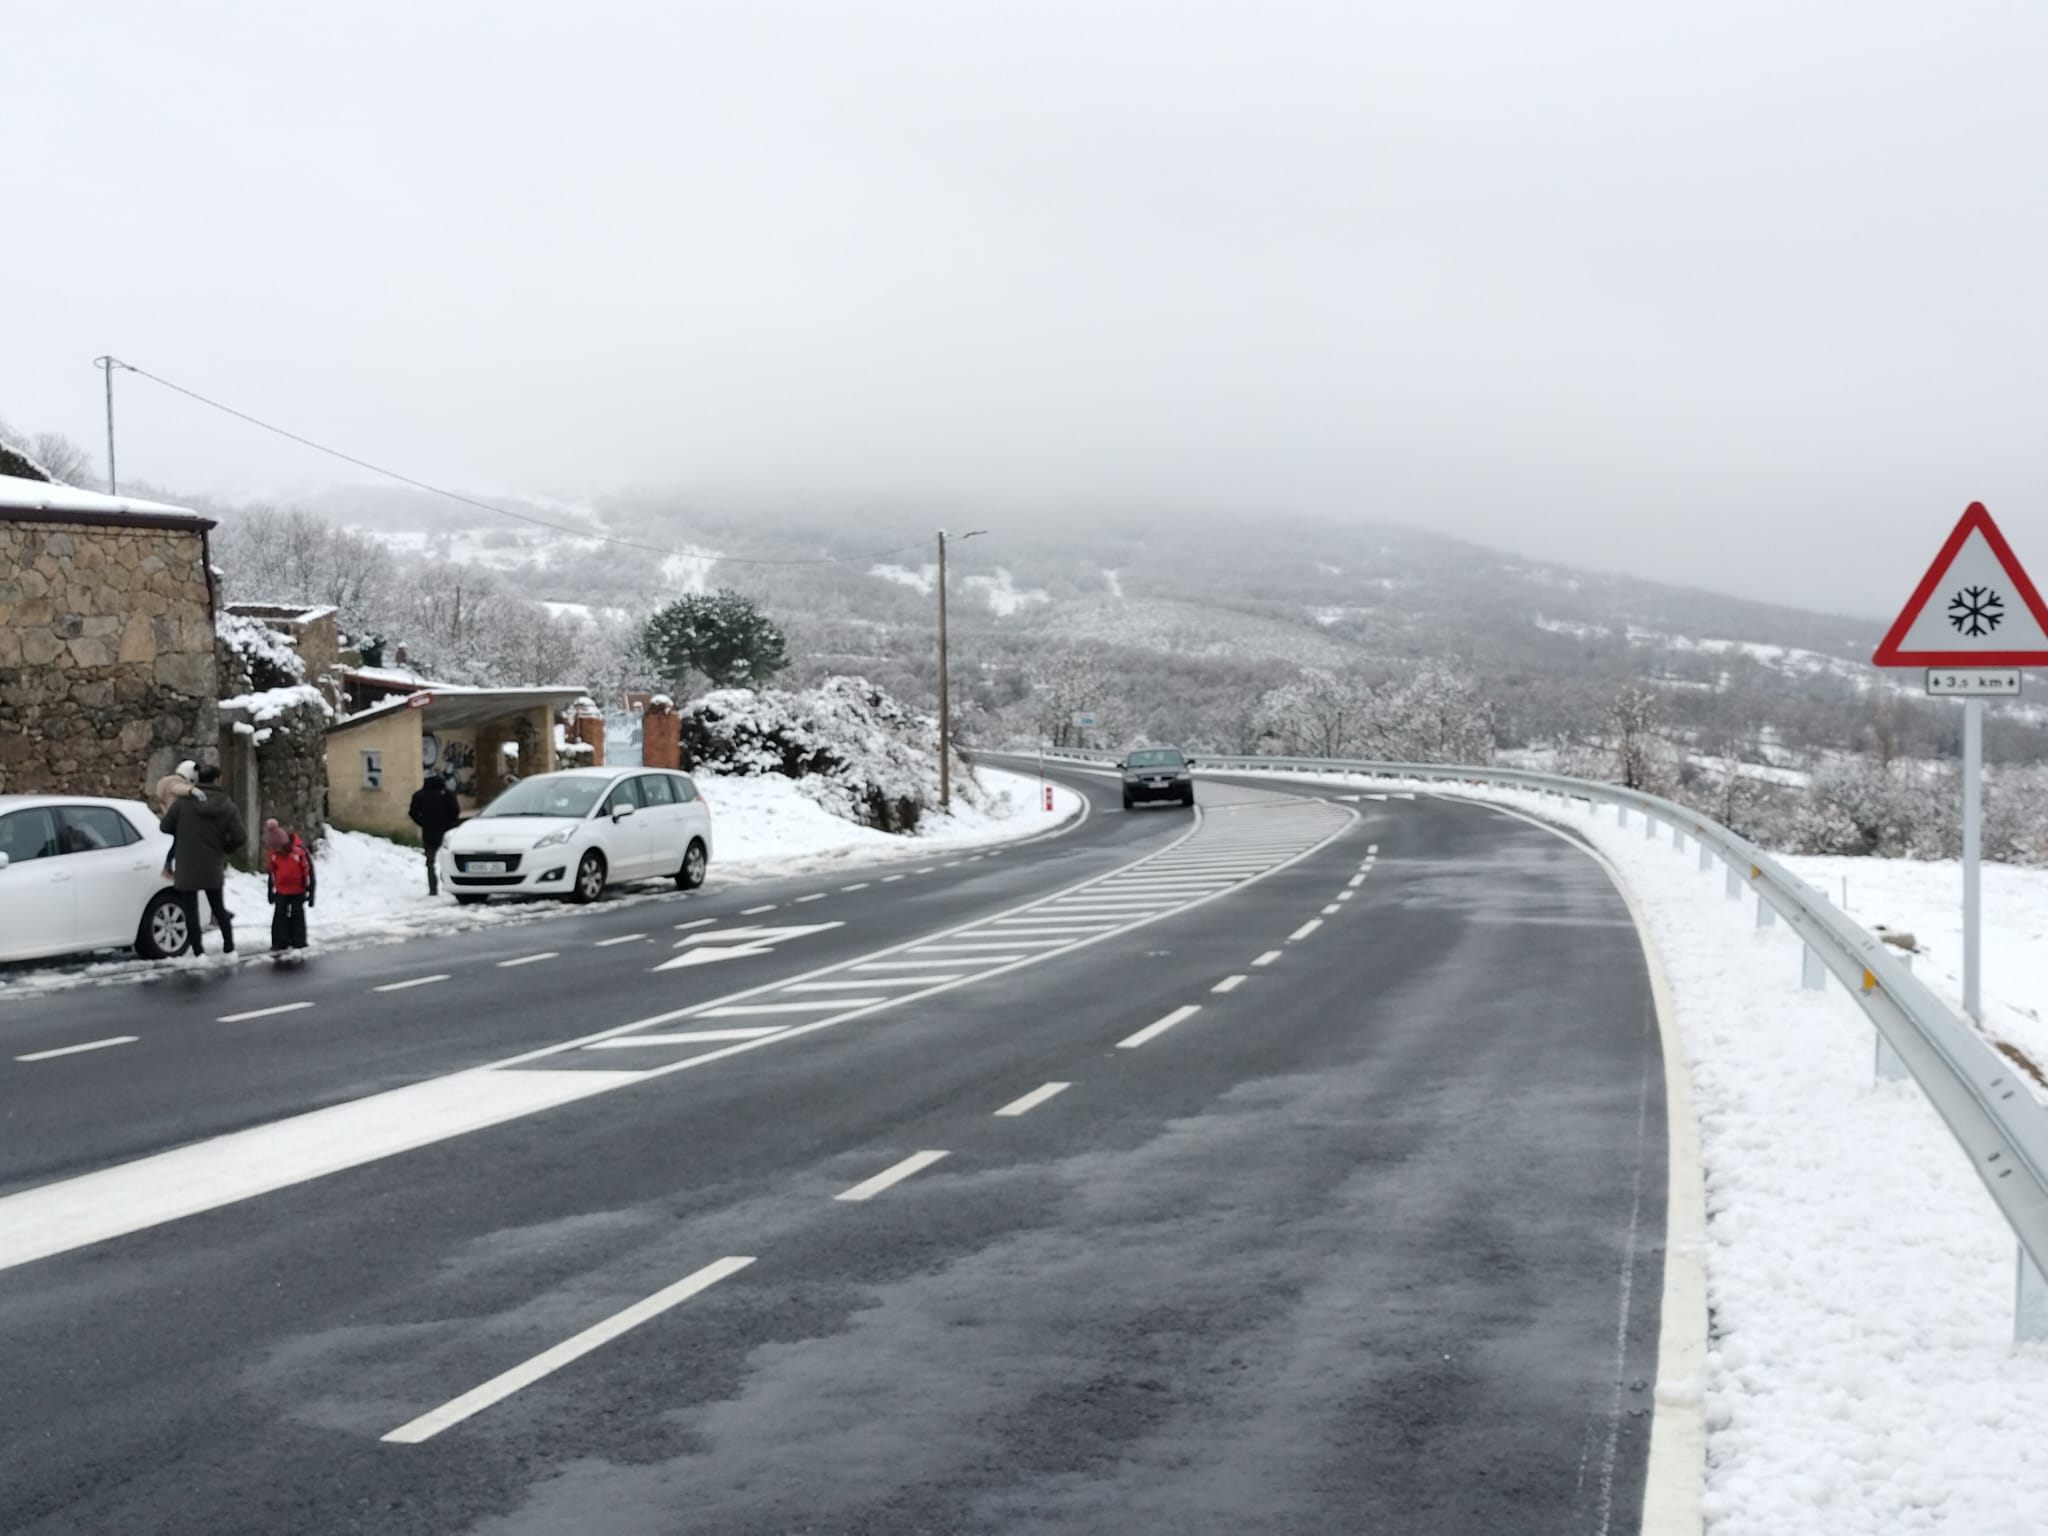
pixel 1294 1168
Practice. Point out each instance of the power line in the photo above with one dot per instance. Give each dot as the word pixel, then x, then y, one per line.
pixel 484 506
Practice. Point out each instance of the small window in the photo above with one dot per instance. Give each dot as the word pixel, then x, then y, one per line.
pixel 686 791
pixel 89 828
pixel 623 794
pixel 30 834
pixel 373 768
pixel 655 790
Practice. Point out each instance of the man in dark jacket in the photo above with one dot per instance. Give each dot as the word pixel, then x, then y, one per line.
pixel 435 811
pixel 205 828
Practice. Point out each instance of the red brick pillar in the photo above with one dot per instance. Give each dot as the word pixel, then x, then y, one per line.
pixel 661 736
pixel 589 729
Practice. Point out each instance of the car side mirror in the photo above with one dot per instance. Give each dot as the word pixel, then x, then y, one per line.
pixel 621 812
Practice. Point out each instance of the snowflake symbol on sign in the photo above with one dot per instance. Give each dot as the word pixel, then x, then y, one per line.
pixel 1976 610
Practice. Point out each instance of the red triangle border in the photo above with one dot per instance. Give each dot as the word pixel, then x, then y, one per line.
pixel 1974 520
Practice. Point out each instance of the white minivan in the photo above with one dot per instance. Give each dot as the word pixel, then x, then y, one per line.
pixel 80 873
pixel 574 832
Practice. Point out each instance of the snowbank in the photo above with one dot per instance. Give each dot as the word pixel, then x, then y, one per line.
pixel 372 890
pixel 1861 1376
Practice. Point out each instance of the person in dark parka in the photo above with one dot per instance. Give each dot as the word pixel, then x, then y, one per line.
pixel 204 828
pixel 435 811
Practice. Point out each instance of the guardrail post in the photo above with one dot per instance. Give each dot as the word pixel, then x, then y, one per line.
pixel 1813 974
pixel 1706 857
pixel 1649 825
pixel 1677 837
pixel 2030 1302
pixel 1621 815
pixel 1734 883
pixel 1888 1066
pixel 1764 915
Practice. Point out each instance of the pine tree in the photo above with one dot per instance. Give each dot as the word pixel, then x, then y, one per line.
pixel 723 636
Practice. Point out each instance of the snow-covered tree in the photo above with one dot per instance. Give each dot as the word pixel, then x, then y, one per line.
pixel 722 636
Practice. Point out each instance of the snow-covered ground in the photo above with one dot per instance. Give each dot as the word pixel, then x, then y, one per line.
pixel 1861 1377
pixel 372 890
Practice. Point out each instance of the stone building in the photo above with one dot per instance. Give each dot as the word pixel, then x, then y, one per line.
pixel 106 640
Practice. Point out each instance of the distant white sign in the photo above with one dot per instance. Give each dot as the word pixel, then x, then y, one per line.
pixel 1085 719
pixel 1974 682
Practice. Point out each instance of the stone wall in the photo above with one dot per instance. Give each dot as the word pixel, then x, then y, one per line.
pixel 106 656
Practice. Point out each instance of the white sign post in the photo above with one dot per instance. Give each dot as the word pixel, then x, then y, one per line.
pixel 1973 622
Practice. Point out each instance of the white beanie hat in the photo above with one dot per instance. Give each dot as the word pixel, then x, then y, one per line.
pixel 188 769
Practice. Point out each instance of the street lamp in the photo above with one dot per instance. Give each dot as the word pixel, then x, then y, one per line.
pixel 945 691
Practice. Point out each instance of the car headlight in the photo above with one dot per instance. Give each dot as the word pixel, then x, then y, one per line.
pixel 556 839
pixel 1184 775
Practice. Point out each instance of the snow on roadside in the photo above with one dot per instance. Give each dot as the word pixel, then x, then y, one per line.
pixel 372 890
pixel 1861 1374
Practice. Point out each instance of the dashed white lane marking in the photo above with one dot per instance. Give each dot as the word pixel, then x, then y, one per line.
pixel 1305 930
pixel 756 911
pixel 690 1037
pixel 814 896
pixel 261 1013
pixel 1228 984
pixel 696 922
pixel 1356 881
pixel 867 1189
pixel 754 1010
pixel 952 863
pixel 416 981
pixel 1372 847
pixel 1159 1027
pixel 1331 910
pixel 888 879
pixel 1268 957
pixel 926 870
pixel 474 1401
pixel 546 954
pixel 1032 1100
pixel 1346 895
pixel 869 983
pixel 73 1050
pixel 858 885
pixel 624 938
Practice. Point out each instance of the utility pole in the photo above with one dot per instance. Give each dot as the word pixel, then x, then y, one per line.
pixel 107 365
pixel 945 686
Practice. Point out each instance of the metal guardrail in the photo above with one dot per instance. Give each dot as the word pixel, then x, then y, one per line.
pixel 2001 1126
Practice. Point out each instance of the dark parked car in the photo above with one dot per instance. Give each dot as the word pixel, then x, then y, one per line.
pixel 1158 773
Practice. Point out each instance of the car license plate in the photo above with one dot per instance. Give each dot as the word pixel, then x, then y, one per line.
pixel 1155 783
pixel 486 867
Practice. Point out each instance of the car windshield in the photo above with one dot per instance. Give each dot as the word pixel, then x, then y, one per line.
pixel 1157 757
pixel 548 794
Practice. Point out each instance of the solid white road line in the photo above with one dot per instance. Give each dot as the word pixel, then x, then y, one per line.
pixel 920 979
pixel 692 1037
pixel 624 938
pixel 204 1175
pixel 1160 1027
pixel 750 1010
pixel 546 954
pixel 1047 925
pixel 417 981
pixel 73 1050
pixel 756 911
pixel 1356 881
pixel 696 922
pixel 1228 984
pixel 858 885
pixel 546 1363
pixel 1032 1100
pixel 261 1013
pixel 867 1189
pixel 985 946
pixel 1268 957
pixel 1305 930
pixel 925 965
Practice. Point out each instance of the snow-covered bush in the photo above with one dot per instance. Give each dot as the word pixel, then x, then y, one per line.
pixel 269 659
pixel 851 747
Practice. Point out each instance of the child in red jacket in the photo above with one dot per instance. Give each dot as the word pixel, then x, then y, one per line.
pixel 291 885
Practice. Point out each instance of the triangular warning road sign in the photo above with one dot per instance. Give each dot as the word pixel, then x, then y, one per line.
pixel 1974 607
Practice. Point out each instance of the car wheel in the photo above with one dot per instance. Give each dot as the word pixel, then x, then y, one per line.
pixel 695 862
pixel 470 899
pixel 589 878
pixel 164 931
pixel 1188 799
pixel 1129 802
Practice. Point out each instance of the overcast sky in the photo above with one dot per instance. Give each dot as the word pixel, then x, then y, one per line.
pixel 1753 296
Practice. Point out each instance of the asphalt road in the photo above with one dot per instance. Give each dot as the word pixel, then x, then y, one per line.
pixel 1343 1217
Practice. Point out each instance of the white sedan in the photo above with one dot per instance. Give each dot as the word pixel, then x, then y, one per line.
pixel 574 832
pixel 78 873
